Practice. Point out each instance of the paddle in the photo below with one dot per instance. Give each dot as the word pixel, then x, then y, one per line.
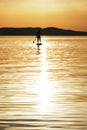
pixel 34 40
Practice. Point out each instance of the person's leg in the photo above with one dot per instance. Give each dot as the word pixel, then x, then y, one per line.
pixel 40 39
pixel 37 40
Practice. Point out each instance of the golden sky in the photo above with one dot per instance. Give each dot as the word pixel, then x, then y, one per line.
pixel 66 14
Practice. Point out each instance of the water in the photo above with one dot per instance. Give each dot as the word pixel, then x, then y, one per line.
pixel 46 88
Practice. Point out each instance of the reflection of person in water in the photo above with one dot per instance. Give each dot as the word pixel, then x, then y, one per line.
pixel 38 36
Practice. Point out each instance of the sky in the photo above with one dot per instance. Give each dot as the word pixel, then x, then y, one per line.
pixel 65 14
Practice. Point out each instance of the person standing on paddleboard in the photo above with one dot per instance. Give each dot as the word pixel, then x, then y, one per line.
pixel 38 36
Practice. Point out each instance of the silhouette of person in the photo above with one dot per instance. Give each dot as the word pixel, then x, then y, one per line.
pixel 38 36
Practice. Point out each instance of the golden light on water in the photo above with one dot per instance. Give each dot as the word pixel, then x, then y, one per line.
pixel 43 90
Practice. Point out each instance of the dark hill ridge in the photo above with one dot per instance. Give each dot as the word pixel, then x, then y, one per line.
pixel 49 31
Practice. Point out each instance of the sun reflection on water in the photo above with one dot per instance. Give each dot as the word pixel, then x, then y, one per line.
pixel 44 90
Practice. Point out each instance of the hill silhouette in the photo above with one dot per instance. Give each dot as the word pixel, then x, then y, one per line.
pixel 49 31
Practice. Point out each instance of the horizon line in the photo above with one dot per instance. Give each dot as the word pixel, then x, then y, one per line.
pixel 47 27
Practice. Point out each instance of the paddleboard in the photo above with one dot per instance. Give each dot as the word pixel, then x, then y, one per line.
pixel 38 44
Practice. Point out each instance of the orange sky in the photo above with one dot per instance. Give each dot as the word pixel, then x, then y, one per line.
pixel 67 14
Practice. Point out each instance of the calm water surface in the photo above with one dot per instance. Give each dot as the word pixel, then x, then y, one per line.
pixel 43 89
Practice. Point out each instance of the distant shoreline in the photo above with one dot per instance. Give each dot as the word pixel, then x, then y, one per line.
pixel 49 31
